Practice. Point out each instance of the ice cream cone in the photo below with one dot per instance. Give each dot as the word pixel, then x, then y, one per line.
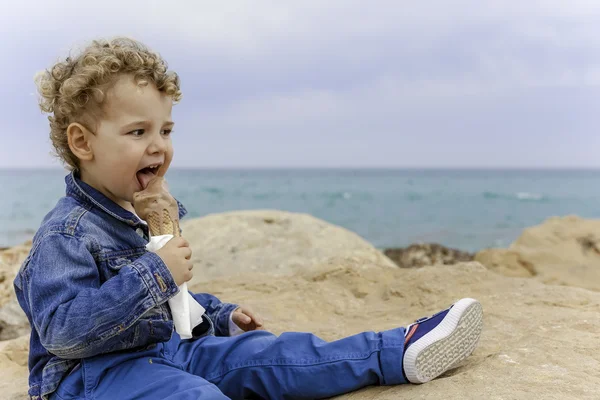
pixel 158 208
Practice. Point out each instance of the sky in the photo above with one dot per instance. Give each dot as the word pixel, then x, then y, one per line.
pixel 336 83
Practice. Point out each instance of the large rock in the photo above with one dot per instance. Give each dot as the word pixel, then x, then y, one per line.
pixel 561 251
pixel 275 242
pixel 10 262
pixel 13 325
pixel 13 321
pixel 539 341
pixel 13 364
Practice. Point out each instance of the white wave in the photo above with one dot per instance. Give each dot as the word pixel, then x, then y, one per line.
pixel 529 196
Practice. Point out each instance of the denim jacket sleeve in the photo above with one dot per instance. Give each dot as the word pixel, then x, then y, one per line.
pixel 217 311
pixel 74 315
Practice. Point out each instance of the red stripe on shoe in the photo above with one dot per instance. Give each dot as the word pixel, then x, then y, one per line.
pixel 412 331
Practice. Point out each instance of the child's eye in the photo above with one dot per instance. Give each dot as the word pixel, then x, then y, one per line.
pixel 167 132
pixel 137 132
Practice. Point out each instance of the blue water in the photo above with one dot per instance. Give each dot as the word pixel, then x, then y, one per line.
pixel 466 209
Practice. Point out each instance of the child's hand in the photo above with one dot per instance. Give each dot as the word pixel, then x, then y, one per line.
pixel 247 319
pixel 176 254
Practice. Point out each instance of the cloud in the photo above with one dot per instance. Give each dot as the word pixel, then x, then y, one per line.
pixel 343 77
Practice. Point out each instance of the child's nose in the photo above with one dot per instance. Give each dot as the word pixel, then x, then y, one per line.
pixel 159 144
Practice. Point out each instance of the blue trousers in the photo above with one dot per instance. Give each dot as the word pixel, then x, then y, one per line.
pixel 255 365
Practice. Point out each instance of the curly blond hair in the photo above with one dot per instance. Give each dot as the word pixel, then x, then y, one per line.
pixel 74 90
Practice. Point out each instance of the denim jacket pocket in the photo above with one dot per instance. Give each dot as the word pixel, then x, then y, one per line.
pixel 115 264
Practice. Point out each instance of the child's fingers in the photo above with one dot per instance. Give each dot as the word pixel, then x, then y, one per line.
pixel 241 318
pixel 257 320
pixel 254 316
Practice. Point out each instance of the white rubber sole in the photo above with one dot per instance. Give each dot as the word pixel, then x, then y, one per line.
pixel 453 340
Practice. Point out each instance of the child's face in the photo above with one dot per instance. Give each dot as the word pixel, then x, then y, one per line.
pixel 133 134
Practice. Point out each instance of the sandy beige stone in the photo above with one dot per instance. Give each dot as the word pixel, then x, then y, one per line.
pixel 10 262
pixel 13 364
pixel 539 341
pixel 302 274
pixel 274 242
pixel 561 251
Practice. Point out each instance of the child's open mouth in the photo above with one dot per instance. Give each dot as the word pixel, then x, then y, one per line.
pixel 145 175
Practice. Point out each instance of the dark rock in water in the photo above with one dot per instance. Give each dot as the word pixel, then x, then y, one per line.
pixel 422 254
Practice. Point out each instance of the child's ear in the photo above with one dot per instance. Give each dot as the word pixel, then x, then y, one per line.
pixel 79 141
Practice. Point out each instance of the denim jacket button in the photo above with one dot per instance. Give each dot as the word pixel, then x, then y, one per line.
pixel 161 282
pixel 140 232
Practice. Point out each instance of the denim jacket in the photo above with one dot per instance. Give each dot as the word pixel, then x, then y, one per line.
pixel 89 286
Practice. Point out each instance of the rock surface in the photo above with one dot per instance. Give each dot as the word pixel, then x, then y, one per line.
pixel 13 364
pixel 10 262
pixel 13 321
pixel 561 251
pixel 274 242
pixel 302 274
pixel 539 341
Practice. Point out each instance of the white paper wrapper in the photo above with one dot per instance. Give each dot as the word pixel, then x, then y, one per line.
pixel 187 312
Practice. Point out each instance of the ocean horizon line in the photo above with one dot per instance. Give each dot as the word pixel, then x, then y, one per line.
pixel 333 168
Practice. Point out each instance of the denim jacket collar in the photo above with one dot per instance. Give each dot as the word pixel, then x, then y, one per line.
pixel 88 195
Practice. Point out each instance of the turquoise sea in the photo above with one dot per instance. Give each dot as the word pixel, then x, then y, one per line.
pixel 466 209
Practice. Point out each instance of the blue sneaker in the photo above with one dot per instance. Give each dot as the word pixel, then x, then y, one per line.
pixel 433 345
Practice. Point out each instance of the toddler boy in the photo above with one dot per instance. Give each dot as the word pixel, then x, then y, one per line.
pixel 96 299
